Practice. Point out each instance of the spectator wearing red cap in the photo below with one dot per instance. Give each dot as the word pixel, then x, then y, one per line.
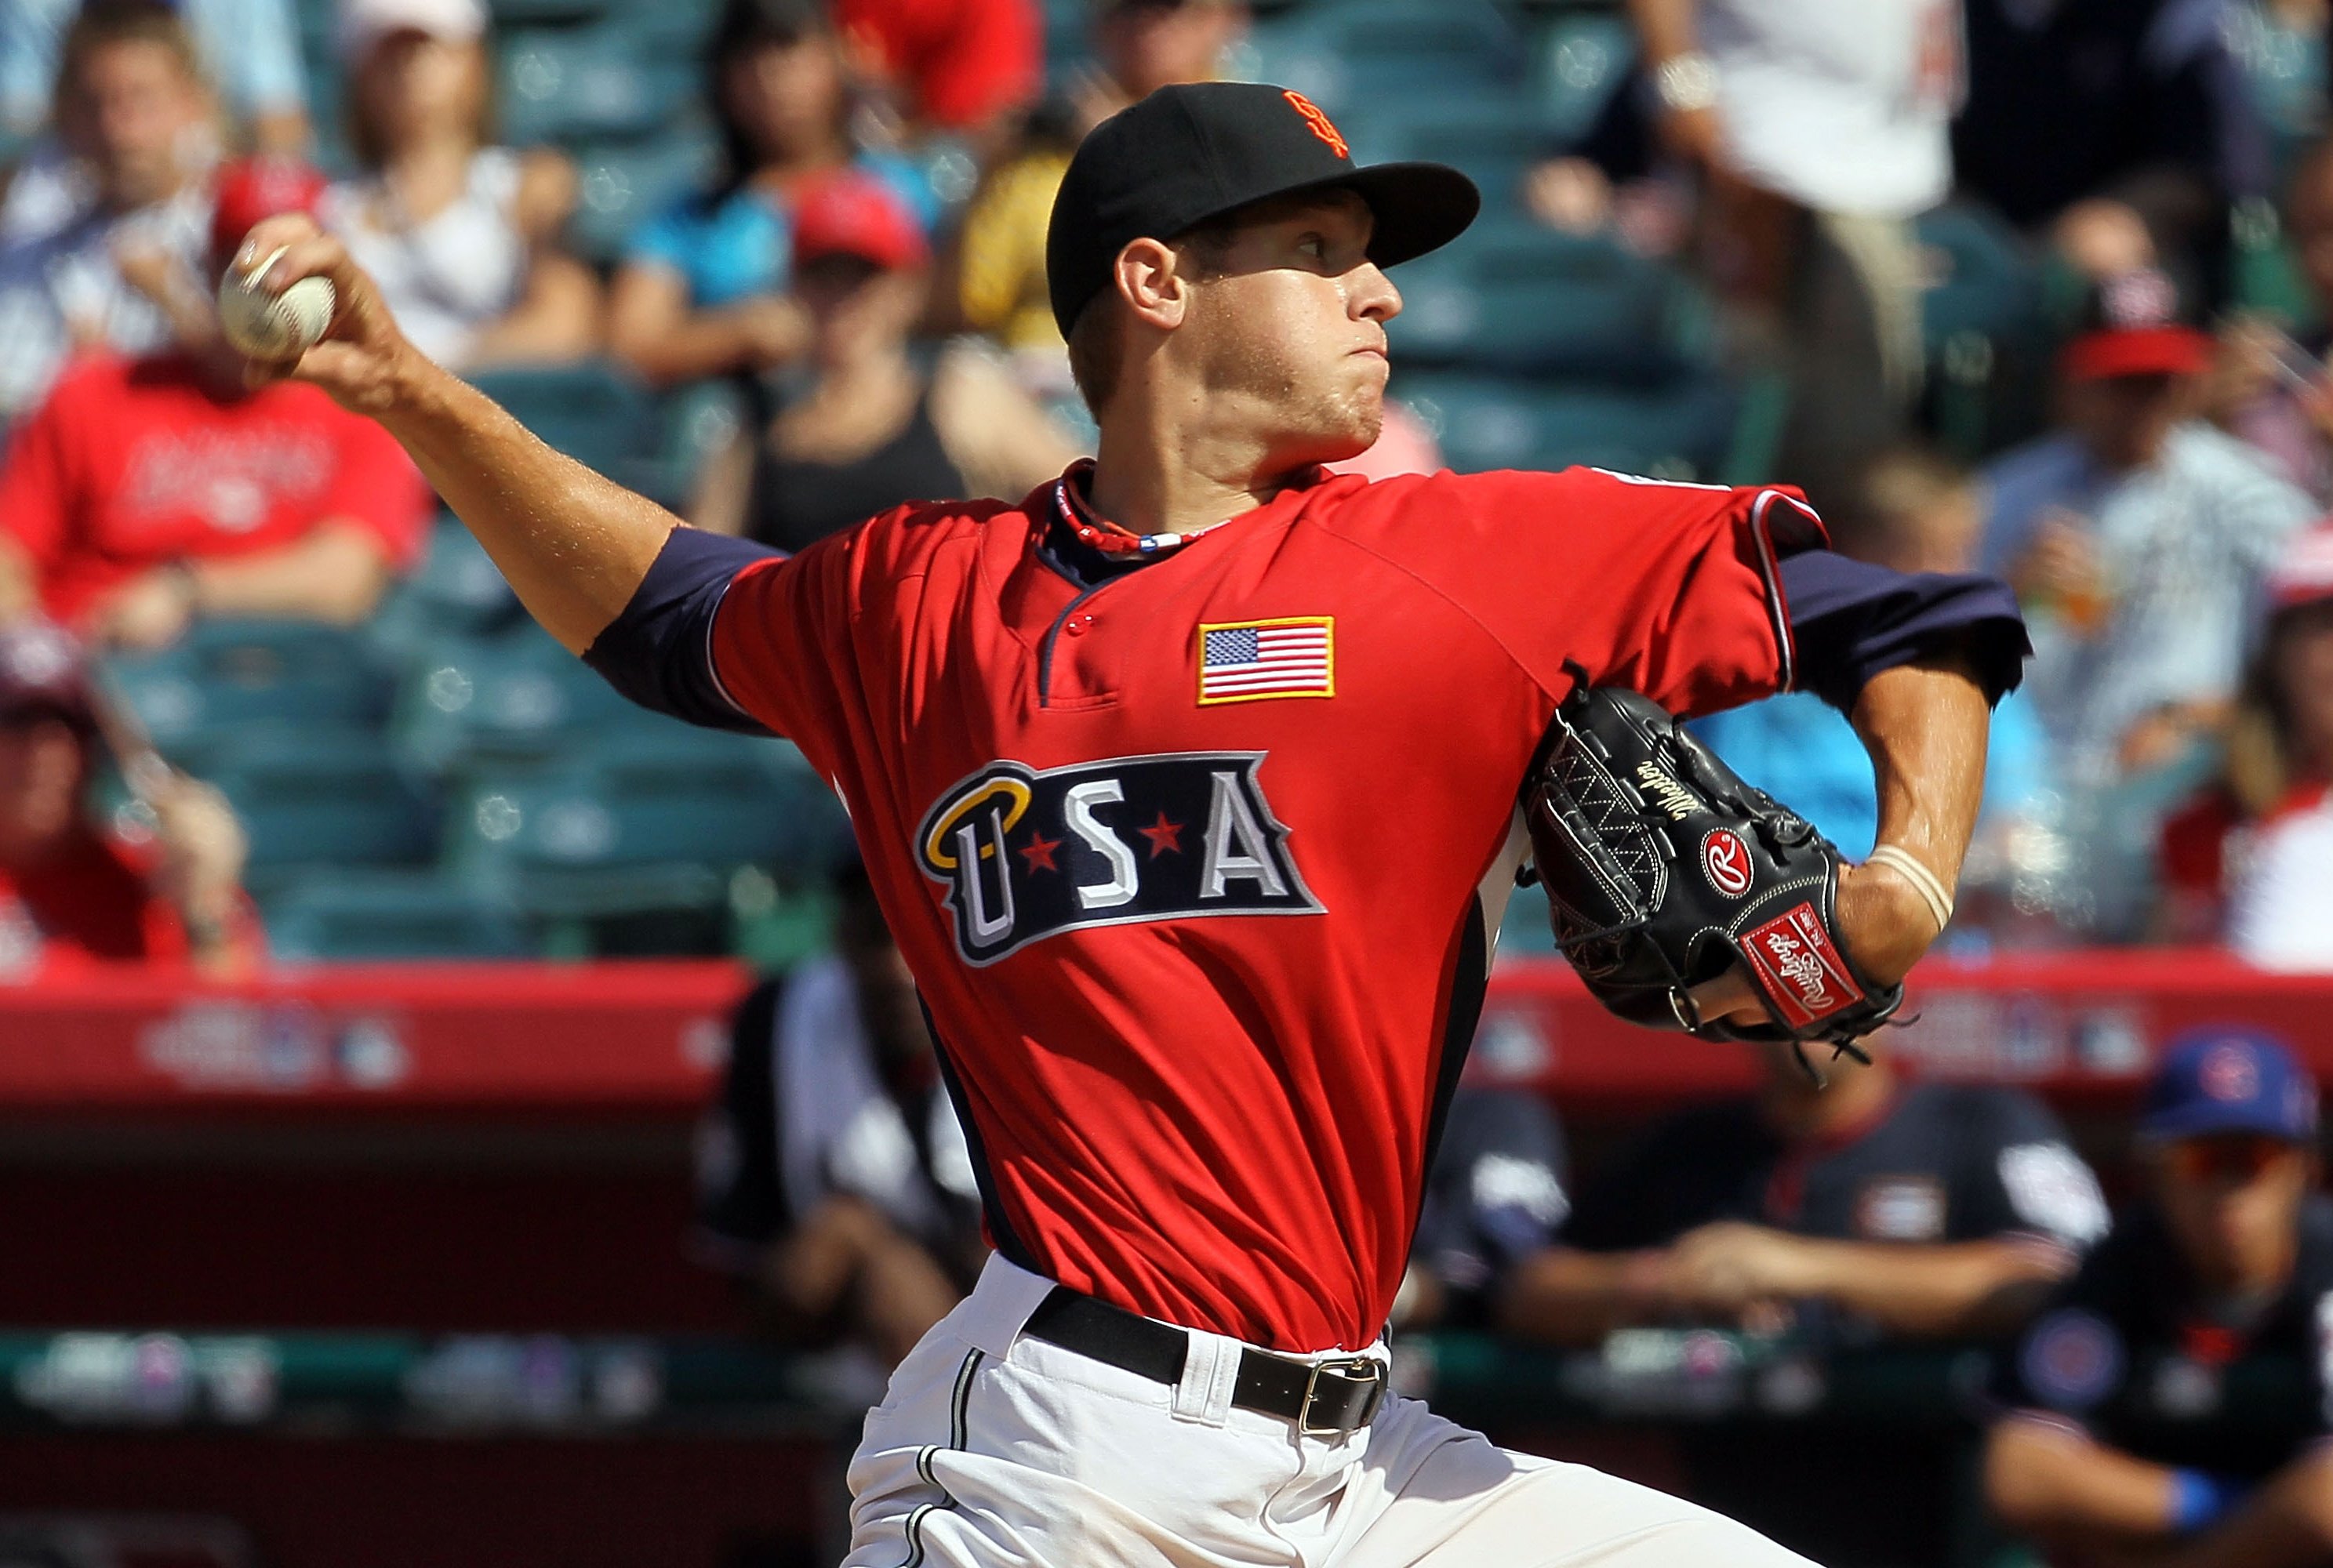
pixel 462 237
pixel 145 493
pixel 73 892
pixel 703 287
pixel 2252 858
pixel 873 427
pixel 2136 536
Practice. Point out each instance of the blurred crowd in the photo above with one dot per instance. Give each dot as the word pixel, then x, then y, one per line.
pixel 861 273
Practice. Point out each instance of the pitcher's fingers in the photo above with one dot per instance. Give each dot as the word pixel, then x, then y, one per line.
pixel 1729 996
pixel 270 234
pixel 316 255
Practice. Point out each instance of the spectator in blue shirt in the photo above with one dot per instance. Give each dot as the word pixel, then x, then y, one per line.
pixel 702 289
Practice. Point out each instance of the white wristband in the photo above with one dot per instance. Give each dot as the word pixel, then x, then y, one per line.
pixel 1924 881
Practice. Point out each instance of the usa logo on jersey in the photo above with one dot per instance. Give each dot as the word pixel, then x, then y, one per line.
pixel 1027 853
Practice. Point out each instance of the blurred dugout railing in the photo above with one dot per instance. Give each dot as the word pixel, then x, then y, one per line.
pixel 385 1263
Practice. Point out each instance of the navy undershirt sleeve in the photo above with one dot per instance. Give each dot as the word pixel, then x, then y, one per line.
pixel 659 651
pixel 1851 619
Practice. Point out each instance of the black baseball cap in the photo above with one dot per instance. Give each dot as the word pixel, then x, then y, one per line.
pixel 1193 152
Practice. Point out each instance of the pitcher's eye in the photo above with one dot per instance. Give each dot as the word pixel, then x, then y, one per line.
pixel 1314 245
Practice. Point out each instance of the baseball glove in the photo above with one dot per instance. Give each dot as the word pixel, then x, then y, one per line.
pixel 1662 868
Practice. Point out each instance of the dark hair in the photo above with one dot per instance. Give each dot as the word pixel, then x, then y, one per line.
pixel 365 141
pixel 104 23
pixel 746 25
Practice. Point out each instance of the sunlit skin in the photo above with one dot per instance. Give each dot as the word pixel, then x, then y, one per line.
pixel 44 768
pixel 128 109
pixel 2235 1228
pixel 1248 370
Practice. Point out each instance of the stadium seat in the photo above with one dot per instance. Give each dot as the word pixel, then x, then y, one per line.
pixel 1980 278
pixel 576 84
pixel 621 185
pixel 1578 59
pixel 228 675
pixel 1525 930
pixel 388 914
pixel 699 419
pixel 455 591
pixel 517 697
pixel 1491 134
pixel 1680 431
pixel 593 412
pixel 1535 302
pixel 511 14
pixel 623 832
pixel 1352 58
pixel 314 798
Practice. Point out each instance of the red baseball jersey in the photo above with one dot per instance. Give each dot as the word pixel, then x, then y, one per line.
pixel 1196 862
pixel 134 464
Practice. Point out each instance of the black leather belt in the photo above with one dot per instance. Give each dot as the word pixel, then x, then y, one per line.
pixel 1324 1399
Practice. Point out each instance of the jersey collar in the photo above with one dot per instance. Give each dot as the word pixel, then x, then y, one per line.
pixel 1074 514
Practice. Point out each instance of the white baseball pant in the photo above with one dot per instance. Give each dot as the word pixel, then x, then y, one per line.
pixel 995 1448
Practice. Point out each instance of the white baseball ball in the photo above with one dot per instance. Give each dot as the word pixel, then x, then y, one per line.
pixel 273 326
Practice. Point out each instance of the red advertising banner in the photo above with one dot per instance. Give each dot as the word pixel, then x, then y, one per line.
pixel 640 1037
pixel 647 1038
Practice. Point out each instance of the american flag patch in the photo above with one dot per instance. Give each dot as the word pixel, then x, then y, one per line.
pixel 1292 657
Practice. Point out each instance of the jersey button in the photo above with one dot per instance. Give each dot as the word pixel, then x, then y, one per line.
pixel 1078 627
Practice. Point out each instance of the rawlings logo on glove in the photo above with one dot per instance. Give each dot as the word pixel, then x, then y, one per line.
pixel 1624 797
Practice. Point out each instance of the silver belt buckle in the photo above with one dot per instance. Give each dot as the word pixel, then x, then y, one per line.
pixel 1360 1368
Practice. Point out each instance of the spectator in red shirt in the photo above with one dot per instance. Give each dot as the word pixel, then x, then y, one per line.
pixel 961 66
pixel 71 891
pixel 146 493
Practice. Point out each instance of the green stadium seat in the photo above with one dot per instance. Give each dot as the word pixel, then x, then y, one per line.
pixel 511 14
pixel 388 914
pixel 1982 279
pixel 647 830
pixel 593 412
pixel 1492 134
pixel 455 591
pixel 1526 931
pixel 1682 431
pixel 1353 58
pixel 1536 301
pixel 1578 59
pixel 621 185
pixel 230 675
pixel 315 798
pixel 519 697
pixel 575 84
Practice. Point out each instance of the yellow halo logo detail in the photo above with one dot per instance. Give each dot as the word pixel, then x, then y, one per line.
pixel 938 856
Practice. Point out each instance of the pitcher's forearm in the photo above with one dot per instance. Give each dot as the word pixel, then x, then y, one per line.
pixel 1925 725
pixel 573 545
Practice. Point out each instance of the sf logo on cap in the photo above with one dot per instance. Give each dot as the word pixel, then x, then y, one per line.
pixel 1318 122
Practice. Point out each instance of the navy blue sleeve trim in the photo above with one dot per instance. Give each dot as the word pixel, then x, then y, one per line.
pixel 1851 620
pixel 659 651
